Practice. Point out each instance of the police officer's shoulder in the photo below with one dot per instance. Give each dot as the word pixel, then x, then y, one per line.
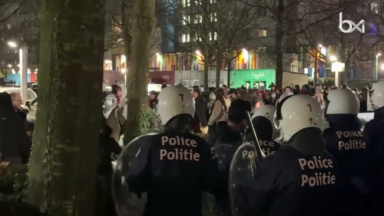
pixel 279 156
pixel 370 124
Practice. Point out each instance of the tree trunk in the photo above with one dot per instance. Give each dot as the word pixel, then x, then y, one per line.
pixel 143 25
pixel 279 44
pixel 126 35
pixel 63 162
pixel 218 69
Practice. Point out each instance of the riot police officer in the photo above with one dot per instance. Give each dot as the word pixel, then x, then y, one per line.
pixel 373 133
pixel 175 167
pixel 346 143
pixel 262 120
pixel 301 177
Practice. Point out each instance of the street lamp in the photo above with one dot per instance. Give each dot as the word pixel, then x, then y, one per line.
pixel 377 64
pixel 23 64
pixel 333 58
pixel 12 44
pixel 337 67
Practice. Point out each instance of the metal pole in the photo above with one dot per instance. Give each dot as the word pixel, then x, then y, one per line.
pixel 23 55
pixel 337 79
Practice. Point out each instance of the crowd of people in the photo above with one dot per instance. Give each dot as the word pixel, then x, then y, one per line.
pixel 222 114
pixel 312 171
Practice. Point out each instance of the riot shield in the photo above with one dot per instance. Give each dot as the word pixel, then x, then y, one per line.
pixel 126 202
pixel 242 171
pixel 223 154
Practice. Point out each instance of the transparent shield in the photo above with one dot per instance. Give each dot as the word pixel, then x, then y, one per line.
pixel 128 203
pixel 241 173
pixel 223 154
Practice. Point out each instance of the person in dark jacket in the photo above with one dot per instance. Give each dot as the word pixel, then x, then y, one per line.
pixel 200 118
pixel 14 143
pixel 107 147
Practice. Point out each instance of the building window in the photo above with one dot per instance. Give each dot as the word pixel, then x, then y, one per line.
pixel 375 7
pixel 261 49
pixel 186 19
pixel 198 2
pixel 213 17
pixel 262 32
pixel 212 36
pixel 212 1
pixel 198 19
pixel 186 3
pixel 185 38
pixel 198 38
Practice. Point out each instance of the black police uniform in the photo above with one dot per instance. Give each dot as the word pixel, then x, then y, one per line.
pixel 373 133
pixel 346 143
pixel 174 170
pixel 264 131
pixel 300 179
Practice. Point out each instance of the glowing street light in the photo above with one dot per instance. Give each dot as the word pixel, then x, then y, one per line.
pixel 198 52
pixel 23 64
pixel 333 58
pixel 382 67
pixel 320 45
pixel 12 44
pixel 10 66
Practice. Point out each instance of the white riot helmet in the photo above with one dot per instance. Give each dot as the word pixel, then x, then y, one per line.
pixel 266 111
pixel 297 112
pixel 175 100
pixel 342 101
pixel 109 105
pixel 376 97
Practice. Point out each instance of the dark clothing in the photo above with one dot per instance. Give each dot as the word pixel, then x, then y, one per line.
pixel 373 133
pixel 264 131
pixel 14 143
pixel 346 143
pixel 174 181
pixel 23 116
pixel 226 136
pixel 200 117
pixel 288 182
pixel 107 146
